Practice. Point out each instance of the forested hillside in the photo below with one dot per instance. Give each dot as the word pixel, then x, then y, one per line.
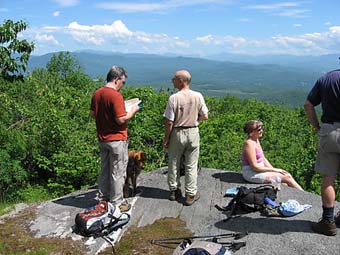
pixel 268 82
pixel 48 141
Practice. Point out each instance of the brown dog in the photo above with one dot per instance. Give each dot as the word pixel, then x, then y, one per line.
pixel 136 164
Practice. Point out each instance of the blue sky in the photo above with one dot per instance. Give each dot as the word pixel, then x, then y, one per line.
pixel 184 27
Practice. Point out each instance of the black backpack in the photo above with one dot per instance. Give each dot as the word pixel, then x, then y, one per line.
pixel 250 199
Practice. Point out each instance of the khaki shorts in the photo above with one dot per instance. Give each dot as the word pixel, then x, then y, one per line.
pixel 328 158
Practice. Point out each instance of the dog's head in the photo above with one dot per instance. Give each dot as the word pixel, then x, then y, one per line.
pixel 137 158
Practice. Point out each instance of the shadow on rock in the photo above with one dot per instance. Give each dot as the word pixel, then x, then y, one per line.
pixel 232 177
pixel 273 226
pixel 83 200
pixel 150 192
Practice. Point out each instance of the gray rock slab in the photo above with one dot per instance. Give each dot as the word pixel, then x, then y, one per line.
pixel 276 235
pixel 267 235
pixel 55 218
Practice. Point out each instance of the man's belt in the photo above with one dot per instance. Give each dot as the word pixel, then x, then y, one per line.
pixel 186 127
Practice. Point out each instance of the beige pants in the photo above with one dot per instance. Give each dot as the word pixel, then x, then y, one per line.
pixel 114 160
pixel 184 141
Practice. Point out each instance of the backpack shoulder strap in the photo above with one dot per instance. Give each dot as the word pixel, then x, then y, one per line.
pixel 116 224
pixel 265 186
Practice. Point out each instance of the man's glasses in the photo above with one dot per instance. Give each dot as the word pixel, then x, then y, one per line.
pixel 259 129
pixel 176 78
pixel 122 80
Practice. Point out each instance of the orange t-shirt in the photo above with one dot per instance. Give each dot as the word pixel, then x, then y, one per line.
pixel 108 104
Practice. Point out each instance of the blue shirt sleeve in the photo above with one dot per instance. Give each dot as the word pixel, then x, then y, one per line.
pixel 314 95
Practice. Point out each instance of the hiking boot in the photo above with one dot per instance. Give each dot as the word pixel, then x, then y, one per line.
pixel 324 227
pixel 175 194
pixel 124 207
pixel 189 200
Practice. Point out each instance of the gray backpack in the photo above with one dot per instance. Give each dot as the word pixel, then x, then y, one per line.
pixel 198 247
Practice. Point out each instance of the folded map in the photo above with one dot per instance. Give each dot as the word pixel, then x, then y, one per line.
pixel 130 103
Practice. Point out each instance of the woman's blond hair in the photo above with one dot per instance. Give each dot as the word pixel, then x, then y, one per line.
pixel 251 125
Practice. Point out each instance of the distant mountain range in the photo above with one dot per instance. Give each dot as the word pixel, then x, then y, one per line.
pixel 243 76
pixel 323 63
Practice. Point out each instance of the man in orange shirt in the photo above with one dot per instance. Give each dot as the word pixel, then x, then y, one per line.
pixel 108 109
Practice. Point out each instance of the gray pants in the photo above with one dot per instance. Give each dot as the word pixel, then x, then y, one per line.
pixel 184 141
pixel 114 160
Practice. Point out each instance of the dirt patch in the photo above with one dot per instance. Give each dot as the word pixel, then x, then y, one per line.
pixel 15 238
pixel 137 241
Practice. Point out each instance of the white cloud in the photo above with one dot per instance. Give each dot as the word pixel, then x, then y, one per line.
pixel 56 13
pixel 118 37
pixel 67 3
pixel 289 41
pixel 272 6
pixel 48 29
pixel 306 44
pixel 116 30
pixel 295 13
pixel 132 7
pixel 226 42
pixel 286 9
pixel 43 38
pixel 207 39
pixel 335 32
pixel 109 36
pixel 297 25
pixel 153 7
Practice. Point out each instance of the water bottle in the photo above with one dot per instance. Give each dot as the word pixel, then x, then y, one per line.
pixel 270 202
pixel 276 182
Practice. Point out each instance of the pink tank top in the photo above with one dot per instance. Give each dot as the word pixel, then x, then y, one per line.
pixel 259 157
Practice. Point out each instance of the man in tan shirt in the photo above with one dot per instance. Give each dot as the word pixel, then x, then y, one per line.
pixel 183 112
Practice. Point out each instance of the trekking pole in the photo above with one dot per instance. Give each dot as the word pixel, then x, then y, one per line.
pixel 235 235
pixel 234 246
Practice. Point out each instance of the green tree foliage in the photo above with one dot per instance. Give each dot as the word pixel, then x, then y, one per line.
pixel 48 141
pixel 46 129
pixel 14 53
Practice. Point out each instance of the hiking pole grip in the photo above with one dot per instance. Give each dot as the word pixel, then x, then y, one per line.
pixel 240 235
pixel 234 246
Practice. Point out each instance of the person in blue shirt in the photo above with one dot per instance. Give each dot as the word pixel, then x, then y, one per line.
pixel 326 92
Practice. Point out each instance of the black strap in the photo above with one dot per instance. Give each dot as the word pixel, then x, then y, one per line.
pixel 118 223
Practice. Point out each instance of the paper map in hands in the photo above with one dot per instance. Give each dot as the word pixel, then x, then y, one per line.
pixel 130 103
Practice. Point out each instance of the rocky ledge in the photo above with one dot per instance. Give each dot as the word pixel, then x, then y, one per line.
pixel 267 235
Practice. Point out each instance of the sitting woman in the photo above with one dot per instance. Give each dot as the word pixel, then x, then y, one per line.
pixel 255 167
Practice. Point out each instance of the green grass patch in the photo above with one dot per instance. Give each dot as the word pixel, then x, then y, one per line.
pixel 31 194
pixel 138 240
pixel 15 238
pixel 6 208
